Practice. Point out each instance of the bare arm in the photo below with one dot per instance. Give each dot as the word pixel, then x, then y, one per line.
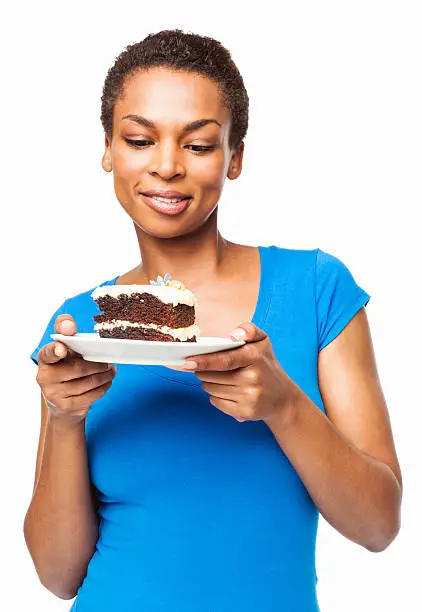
pixel 346 458
pixel 61 524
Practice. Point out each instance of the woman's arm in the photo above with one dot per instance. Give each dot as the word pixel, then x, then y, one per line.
pixel 61 526
pixel 347 459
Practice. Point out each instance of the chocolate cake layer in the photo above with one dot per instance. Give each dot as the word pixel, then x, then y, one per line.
pixel 146 308
pixel 140 333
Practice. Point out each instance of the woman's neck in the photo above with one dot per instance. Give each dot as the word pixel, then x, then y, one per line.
pixel 191 259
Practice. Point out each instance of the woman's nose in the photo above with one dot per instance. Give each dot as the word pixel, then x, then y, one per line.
pixel 167 161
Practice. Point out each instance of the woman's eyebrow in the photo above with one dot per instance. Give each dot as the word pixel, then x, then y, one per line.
pixel 194 125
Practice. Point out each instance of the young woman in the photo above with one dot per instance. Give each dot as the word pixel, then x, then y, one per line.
pixel 199 488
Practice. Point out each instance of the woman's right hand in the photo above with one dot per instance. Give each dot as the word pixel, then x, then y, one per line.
pixel 68 383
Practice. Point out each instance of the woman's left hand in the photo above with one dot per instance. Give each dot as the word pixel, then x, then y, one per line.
pixel 247 382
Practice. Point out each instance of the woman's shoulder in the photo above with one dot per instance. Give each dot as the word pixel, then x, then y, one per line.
pixel 323 267
pixel 289 258
pixel 288 251
pixel 323 261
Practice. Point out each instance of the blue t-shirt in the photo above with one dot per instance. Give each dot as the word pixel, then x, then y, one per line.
pixel 198 512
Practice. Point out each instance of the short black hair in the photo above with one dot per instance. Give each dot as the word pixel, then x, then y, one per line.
pixel 185 52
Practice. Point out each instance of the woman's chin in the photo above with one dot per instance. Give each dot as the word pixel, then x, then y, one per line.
pixel 167 228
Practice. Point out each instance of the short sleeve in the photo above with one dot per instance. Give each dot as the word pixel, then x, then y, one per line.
pixel 338 297
pixel 49 330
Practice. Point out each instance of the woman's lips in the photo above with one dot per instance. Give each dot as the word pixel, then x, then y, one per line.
pixel 167 208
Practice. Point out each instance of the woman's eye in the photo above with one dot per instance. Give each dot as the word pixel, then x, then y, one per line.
pixel 138 143
pixel 202 148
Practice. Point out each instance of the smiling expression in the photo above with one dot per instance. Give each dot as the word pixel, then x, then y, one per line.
pixel 170 133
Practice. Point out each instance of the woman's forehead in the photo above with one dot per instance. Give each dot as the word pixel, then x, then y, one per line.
pixel 161 93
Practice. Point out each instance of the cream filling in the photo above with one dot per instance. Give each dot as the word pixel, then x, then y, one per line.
pixel 181 333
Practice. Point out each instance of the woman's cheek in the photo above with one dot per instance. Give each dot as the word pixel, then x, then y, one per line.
pixel 127 163
pixel 128 173
pixel 211 174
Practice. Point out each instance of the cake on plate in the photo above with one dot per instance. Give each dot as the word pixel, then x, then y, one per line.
pixel 162 311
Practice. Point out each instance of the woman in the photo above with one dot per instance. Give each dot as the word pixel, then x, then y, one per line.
pixel 199 488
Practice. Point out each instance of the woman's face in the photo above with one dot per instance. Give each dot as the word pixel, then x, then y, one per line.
pixel 157 147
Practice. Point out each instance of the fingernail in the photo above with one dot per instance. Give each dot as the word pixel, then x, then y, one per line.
pixel 59 351
pixel 190 365
pixel 238 333
pixel 67 326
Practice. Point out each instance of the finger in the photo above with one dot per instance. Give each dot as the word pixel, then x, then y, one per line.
pixel 222 361
pixel 229 378
pixel 84 400
pixel 223 392
pixel 80 386
pixel 52 353
pixel 227 406
pixel 65 324
pixel 230 359
pixel 248 332
pixel 71 368
pixel 224 405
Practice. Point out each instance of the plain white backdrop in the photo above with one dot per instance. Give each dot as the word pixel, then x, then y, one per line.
pixel 332 160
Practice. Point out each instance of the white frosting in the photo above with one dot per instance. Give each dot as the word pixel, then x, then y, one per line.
pixel 182 333
pixel 168 295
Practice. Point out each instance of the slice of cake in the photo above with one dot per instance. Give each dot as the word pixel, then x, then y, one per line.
pixel 164 310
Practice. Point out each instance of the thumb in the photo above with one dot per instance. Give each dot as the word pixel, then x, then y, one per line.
pixel 54 352
pixel 65 325
pixel 248 332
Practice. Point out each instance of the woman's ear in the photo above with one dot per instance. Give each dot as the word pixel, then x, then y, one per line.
pixel 235 166
pixel 106 160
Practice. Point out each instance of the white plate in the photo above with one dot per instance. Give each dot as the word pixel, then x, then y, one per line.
pixel 142 352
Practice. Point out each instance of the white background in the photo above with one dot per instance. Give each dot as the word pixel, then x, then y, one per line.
pixel 332 160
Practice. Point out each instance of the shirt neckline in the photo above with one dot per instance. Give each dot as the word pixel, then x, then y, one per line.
pixel 259 317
